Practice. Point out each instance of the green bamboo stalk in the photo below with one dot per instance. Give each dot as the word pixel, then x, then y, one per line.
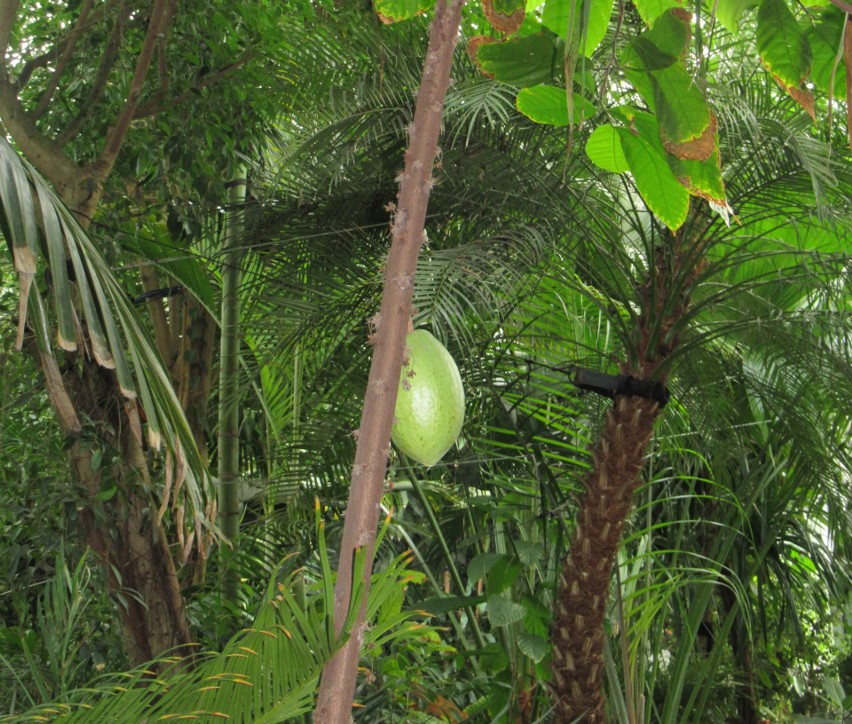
pixel 229 410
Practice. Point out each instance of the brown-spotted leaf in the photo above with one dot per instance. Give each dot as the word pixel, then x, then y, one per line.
pixel 505 15
pixel 699 148
pixel 473 46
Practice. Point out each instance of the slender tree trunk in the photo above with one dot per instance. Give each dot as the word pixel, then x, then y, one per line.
pixel 125 530
pixel 229 411
pixel 337 687
pixel 741 647
pixel 577 634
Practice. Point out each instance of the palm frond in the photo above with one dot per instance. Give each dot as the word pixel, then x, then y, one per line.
pixel 116 336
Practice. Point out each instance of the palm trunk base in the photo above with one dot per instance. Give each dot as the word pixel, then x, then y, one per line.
pixel 577 632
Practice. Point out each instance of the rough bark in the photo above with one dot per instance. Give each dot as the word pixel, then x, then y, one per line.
pixel 337 687
pixel 577 634
pixel 124 531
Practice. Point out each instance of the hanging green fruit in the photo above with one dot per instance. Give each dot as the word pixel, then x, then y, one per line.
pixel 430 402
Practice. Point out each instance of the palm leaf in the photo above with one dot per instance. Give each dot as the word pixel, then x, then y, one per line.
pixel 117 337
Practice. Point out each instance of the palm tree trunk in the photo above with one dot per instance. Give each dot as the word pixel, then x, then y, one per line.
pixel 577 634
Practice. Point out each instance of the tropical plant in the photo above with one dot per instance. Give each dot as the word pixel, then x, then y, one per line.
pixel 553 261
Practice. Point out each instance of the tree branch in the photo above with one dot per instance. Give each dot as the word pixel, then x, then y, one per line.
pixel 105 67
pixel 65 58
pixel 41 151
pixel 158 104
pixel 337 686
pixel 161 15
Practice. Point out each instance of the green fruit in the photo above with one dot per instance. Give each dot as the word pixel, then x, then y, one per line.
pixel 430 402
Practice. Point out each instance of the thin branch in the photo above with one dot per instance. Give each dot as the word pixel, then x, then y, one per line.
pixel 108 59
pixel 337 687
pixel 70 44
pixel 41 61
pixel 161 15
pixel 158 104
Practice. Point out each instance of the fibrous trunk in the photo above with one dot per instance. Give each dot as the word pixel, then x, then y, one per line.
pixel 125 530
pixel 577 633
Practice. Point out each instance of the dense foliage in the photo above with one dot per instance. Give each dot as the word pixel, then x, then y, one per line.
pixel 549 250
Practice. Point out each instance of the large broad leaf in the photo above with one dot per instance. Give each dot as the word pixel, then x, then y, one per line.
pixel 523 61
pixel 824 39
pixel 604 149
pixel 505 15
pixel 782 43
pixel 392 11
pixel 549 105
pixel 682 113
pixel 665 195
pixel 729 12
pixel 701 177
pixel 650 10
pixel 593 17
pixel 503 612
pixel 670 34
pixel 784 50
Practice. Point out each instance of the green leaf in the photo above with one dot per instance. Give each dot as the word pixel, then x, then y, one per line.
pixel 482 564
pixel 824 39
pixel 682 112
pixel 504 573
pixel 649 57
pixel 529 553
pixel 186 269
pixel 523 61
pixel 702 178
pixel 547 104
pixel 663 193
pixel 650 10
pixel 532 645
pixel 593 14
pixel 781 43
pixel 604 149
pixel 668 37
pixel 106 493
pixel 729 12
pixel 503 612
pixel 392 11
